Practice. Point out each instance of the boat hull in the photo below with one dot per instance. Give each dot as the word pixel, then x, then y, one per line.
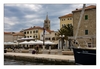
pixel 85 56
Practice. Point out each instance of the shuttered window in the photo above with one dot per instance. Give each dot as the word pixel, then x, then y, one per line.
pixel 86 17
pixel 86 32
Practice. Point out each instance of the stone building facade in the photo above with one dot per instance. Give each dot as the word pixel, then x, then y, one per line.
pixel 12 36
pixel 35 32
pixel 52 36
pixel 87 29
pixel 8 37
pixel 66 19
pixel 18 35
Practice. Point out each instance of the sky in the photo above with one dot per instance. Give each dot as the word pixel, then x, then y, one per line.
pixel 18 16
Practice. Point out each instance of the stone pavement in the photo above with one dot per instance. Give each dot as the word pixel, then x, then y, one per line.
pixel 45 56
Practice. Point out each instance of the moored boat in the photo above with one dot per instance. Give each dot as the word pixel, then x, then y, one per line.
pixel 85 56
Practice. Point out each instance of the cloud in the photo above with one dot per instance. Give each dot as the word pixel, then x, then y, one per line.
pixel 31 16
pixel 11 21
pixel 33 7
pixel 55 25
pixel 22 16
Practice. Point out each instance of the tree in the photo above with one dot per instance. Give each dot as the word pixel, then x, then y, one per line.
pixel 67 31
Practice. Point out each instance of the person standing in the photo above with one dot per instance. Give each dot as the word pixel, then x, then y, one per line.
pixel 37 49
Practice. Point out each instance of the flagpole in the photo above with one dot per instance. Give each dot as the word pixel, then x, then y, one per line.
pixel 43 39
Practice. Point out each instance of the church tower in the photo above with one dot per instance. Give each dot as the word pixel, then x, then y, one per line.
pixel 47 23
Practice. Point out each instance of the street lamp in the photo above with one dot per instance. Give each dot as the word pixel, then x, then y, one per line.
pixel 43 39
pixel 62 40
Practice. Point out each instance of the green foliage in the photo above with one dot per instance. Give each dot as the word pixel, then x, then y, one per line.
pixel 66 30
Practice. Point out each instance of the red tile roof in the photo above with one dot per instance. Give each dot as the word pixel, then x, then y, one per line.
pixel 14 33
pixel 18 34
pixel 8 33
pixel 37 27
pixel 86 8
pixel 68 15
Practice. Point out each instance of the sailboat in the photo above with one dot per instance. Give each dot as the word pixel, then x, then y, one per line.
pixel 84 56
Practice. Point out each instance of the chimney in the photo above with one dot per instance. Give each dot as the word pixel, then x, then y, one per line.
pixel 76 9
pixel 13 32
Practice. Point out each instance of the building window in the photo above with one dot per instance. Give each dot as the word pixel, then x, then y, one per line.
pixel 48 38
pixel 24 36
pixel 55 34
pixel 62 19
pixel 45 21
pixel 33 36
pixel 68 18
pixel 53 38
pixel 24 32
pixel 89 44
pixel 86 17
pixel 36 31
pixel 36 36
pixel 33 31
pixel 86 32
pixel 30 36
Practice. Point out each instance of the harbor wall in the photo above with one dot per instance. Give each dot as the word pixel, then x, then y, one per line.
pixel 46 61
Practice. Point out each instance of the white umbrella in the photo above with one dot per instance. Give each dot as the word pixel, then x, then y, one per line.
pixel 5 43
pixel 31 42
pixel 24 42
pixel 38 42
pixel 10 43
pixel 49 43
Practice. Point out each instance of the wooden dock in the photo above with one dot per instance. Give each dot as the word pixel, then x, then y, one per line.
pixel 45 58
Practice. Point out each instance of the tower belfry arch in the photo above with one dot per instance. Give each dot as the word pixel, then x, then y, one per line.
pixel 47 22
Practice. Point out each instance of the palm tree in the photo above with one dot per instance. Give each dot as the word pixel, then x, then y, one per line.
pixel 67 31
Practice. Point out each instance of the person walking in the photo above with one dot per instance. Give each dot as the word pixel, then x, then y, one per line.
pixel 37 49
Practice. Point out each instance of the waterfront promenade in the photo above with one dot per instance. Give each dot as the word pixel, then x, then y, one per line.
pixel 41 57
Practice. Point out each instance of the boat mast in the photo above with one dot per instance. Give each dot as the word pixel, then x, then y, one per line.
pixel 81 15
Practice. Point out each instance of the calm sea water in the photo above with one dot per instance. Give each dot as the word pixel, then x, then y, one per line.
pixel 16 62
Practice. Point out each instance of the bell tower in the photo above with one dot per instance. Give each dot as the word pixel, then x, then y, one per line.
pixel 47 23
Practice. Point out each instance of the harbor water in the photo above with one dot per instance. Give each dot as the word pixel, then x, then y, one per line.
pixel 8 61
pixel 17 62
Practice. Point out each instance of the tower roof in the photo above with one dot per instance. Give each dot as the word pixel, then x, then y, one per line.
pixel 47 16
